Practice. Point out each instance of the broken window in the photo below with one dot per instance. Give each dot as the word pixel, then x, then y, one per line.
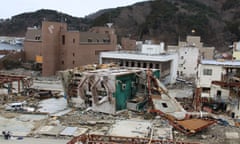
pixel 164 105
pixel 205 90
pixel 219 93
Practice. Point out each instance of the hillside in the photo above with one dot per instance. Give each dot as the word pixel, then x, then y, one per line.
pixel 17 25
pixel 216 21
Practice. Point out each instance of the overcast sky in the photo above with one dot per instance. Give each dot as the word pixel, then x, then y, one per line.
pixel 77 8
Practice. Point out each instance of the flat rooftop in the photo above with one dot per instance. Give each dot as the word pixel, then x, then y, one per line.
pixel 224 63
pixel 137 55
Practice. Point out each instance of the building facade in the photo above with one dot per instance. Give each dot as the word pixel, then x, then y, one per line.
pixel 149 56
pixel 236 50
pixel 219 83
pixel 190 52
pixel 56 48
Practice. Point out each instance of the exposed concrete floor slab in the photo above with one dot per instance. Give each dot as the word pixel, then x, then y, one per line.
pixel 15 126
pixel 51 130
pixel 27 140
pixel 53 105
pixel 131 128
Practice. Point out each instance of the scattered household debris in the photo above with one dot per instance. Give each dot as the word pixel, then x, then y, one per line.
pixel 145 108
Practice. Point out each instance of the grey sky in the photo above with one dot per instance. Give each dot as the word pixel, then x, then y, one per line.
pixel 78 8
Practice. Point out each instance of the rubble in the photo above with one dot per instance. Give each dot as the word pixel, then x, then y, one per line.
pixel 56 119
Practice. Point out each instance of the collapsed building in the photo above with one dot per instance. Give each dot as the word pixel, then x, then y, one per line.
pixel 115 89
pixel 108 90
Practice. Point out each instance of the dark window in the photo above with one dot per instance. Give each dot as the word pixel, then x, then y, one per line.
pixel 106 40
pixel 73 40
pixel 132 64
pixel 73 62
pixel 164 105
pixel 89 40
pixel 150 65
pixel 207 71
pixel 144 65
pixel 73 54
pixel 37 37
pixel 156 66
pixel 63 62
pixel 138 64
pixel 126 63
pixel 63 39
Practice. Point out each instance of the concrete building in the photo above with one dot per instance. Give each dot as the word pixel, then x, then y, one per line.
pixel 149 56
pixel 56 48
pixel 188 61
pixel 128 44
pixel 236 50
pixel 190 52
pixel 219 81
pixel 107 90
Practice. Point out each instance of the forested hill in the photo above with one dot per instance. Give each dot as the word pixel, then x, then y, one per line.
pixel 216 21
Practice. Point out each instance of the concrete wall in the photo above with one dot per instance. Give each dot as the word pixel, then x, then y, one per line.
pixel 188 61
pixel 128 44
pixel 32 48
pixel 207 52
pixel 206 80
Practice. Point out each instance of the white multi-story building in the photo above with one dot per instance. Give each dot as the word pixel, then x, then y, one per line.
pixel 148 56
pixel 190 52
pixel 219 81
pixel 188 61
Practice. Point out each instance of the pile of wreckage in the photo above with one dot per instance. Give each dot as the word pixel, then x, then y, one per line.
pixel 16 89
pixel 111 89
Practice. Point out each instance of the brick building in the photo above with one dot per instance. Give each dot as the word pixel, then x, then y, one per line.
pixel 56 48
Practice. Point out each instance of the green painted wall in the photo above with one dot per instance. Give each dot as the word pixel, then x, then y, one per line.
pixel 123 93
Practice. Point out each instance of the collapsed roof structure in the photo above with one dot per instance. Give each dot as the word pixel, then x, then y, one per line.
pixel 111 89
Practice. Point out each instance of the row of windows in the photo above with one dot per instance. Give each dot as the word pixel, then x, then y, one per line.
pixel 104 40
pixel 89 40
pixel 139 64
